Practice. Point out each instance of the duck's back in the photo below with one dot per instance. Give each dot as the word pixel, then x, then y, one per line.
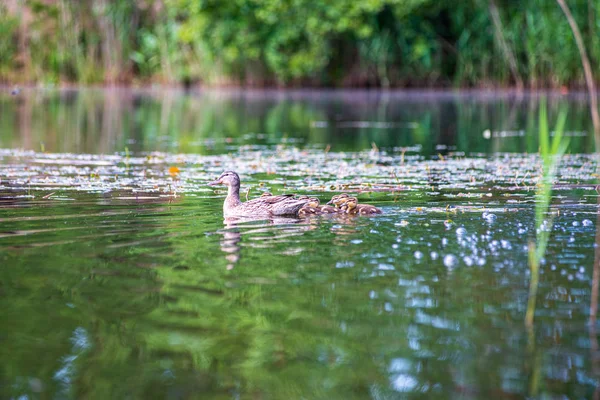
pixel 272 205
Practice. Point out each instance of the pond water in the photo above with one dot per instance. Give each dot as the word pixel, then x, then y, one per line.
pixel 120 279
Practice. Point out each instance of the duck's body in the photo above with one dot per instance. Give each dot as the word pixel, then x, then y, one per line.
pixel 327 209
pixel 367 209
pixel 264 206
pixel 308 210
pixel 314 208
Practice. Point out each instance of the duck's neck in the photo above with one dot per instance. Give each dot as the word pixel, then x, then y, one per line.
pixel 233 197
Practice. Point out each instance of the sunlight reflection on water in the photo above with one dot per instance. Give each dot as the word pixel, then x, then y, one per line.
pixel 120 265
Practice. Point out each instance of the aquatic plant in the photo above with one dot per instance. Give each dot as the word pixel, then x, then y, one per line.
pixel 551 151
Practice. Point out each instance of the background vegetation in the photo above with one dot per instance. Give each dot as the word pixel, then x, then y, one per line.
pixel 386 43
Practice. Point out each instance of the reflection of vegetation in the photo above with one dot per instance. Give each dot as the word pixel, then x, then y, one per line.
pixel 141 304
pixel 109 121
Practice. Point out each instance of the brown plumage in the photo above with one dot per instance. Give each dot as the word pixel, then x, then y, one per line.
pixel 349 205
pixel 327 209
pixel 264 206
pixel 367 209
pixel 307 211
pixel 339 199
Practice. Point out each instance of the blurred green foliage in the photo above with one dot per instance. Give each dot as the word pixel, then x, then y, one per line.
pixel 294 42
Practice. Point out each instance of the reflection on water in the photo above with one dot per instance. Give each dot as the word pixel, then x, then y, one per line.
pixel 119 279
pixel 229 243
pixel 329 307
pixel 285 231
pixel 346 308
pixel 261 232
pixel 108 121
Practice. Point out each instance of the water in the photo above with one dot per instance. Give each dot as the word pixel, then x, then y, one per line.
pixel 120 279
pixel 95 121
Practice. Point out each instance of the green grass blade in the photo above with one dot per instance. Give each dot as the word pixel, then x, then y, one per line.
pixel 543 132
pixel 559 130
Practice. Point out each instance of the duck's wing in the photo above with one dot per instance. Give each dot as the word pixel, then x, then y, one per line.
pixel 270 199
pixel 289 207
pixel 284 204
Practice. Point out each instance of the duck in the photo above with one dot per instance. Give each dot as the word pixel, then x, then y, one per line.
pixel 367 209
pixel 327 209
pixel 264 206
pixel 349 205
pixel 310 208
pixel 352 207
pixel 313 207
pixel 338 200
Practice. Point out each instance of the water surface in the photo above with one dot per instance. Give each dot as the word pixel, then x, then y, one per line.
pixel 95 121
pixel 120 279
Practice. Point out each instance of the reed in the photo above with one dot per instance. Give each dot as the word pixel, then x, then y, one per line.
pixel 552 148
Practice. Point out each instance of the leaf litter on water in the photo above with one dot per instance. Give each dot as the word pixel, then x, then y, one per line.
pixel 373 174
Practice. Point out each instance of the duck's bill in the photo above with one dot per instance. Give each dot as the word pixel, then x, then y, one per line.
pixel 215 183
pixel 330 202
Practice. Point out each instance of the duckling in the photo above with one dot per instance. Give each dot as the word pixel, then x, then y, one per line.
pixel 264 206
pixel 338 200
pixel 367 209
pixel 314 208
pixel 313 202
pixel 307 211
pixel 350 205
pixel 327 209
pixel 310 208
pixel 318 210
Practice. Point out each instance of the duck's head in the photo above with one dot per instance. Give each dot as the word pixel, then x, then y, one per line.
pixel 338 200
pixel 349 205
pixel 313 202
pixel 228 178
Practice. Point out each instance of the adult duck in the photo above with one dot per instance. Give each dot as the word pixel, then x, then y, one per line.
pixel 262 207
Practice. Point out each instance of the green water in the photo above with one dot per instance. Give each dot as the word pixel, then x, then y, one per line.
pixel 120 279
pixel 106 121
